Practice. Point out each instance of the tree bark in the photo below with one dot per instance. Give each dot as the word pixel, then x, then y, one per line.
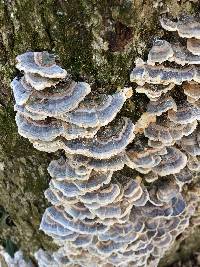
pixel 96 41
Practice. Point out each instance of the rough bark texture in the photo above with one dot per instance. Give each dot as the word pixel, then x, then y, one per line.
pixel 97 41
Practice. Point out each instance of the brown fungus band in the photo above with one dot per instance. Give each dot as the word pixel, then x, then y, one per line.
pixel 95 218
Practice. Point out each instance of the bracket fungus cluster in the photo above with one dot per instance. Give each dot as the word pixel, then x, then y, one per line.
pixel 170 79
pixel 95 218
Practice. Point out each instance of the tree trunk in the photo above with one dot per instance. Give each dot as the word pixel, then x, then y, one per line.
pixel 96 41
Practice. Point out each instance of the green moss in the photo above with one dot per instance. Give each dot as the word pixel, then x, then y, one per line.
pixel 23 179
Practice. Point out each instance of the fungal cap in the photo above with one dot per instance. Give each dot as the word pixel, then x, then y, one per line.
pixel 186 113
pixel 138 73
pixel 133 190
pixel 160 52
pixel 103 150
pixel 58 215
pixel 192 90
pixel 38 130
pixel 193 45
pixel 168 132
pixel 82 241
pixel 108 247
pixel 146 159
pixel 162 75
pixel 95 181
pixel 190 143
pixel 193 163
pixel 178 204
pixel 62 169
pixel 143 199
pixel 161 105
pixel 171 163
pixel 100 112
pixel 103 196
pixel 182 56
pixel 49 147
pixel 167 191
pixel 114 163
pixel 41 63
pixel 184 176
pixel 34 116
pixel 151 177
pixel 21 90
pixel 78 211
pixel 168 24
pixel 154 91
pixel 59 100
pixel 38 82
pixel 188 27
